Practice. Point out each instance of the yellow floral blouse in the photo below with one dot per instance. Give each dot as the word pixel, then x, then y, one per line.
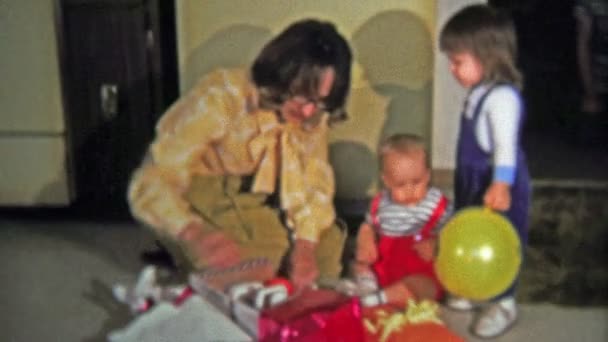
pixel 217 129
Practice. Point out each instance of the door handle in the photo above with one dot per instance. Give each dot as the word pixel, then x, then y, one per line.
pixel 109 101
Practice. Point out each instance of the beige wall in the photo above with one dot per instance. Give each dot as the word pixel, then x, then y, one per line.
pixel 399 82
pixel 33 171
pixel 392 41
pixel 32 131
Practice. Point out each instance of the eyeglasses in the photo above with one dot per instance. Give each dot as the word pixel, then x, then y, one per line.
pixel 275 101
pixel 303 101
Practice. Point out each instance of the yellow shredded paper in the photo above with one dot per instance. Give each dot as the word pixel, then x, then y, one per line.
pixel 415 313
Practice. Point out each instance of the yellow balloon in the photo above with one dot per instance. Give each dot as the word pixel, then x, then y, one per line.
pixel 479 254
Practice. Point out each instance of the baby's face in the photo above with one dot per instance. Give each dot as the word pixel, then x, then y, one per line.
pixel 406 176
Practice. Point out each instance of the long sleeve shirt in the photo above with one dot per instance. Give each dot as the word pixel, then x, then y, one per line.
pixel 497 129
pixel 217 129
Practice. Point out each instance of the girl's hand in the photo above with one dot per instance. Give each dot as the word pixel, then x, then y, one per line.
pixel 366 252
pixel 498 196
pixel 426 249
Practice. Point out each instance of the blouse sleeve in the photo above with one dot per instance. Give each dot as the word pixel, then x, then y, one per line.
pixel 156 191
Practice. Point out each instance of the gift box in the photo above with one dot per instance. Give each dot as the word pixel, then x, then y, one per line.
pixel 313 315
pixel 419 322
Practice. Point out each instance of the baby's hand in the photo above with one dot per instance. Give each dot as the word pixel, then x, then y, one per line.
pixel 426 249
pixel 366 252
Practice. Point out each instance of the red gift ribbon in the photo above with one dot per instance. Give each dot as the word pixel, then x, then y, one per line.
pixel 186 293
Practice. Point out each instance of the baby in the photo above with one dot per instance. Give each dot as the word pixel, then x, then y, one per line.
pixel 396 243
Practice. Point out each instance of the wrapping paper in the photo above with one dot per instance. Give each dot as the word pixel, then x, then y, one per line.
pixel 195 320
pixel 314 315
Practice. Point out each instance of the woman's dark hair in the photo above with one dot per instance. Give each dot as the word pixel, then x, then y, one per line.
pixel 489 35
pixel 292 62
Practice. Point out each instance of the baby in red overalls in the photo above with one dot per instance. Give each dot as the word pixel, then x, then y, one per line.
pixel 396 243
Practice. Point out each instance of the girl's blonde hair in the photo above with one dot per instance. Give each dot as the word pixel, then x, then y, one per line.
pixel 489 35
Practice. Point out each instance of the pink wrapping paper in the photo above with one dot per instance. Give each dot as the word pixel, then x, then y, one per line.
pixel 314 315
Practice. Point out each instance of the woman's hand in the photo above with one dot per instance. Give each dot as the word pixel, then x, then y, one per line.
pixel 304 270
pixel 498 196
pixel 213 248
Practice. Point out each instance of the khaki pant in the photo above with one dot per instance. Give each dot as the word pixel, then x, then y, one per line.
pixel 255 226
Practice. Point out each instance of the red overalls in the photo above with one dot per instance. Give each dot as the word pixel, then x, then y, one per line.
pixel 396 255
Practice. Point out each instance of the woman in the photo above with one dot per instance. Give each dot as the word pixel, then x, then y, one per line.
pixel 238 137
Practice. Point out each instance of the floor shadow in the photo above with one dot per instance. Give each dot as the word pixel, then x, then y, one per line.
pixel 100 294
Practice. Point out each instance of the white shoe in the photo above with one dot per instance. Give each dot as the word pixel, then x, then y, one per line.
pixel 496 319
pixel 366 283
pixel 373 299
pixel 346 286
pixel 459 303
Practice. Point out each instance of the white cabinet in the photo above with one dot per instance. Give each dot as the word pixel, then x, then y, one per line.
pixel 33 171
pixel 33 158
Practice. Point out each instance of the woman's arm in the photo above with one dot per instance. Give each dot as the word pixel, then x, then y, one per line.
pixel 182 135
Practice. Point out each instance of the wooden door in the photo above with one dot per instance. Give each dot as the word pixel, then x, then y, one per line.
pixel 119 74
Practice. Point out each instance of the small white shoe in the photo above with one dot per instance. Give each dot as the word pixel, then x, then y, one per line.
pixel 459 303
pixel 366 283
pixel 373 299
pixel 346 286
pixel 496 319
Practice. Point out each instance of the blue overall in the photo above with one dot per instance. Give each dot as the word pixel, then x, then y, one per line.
pixel 474 174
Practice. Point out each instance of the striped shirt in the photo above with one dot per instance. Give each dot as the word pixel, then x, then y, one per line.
pixel 402 220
